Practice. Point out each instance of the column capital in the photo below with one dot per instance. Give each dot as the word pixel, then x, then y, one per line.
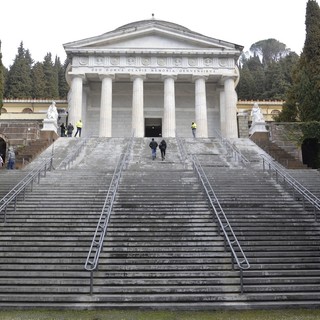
pixel 168 76
pixel 137 76
pixel 77 75
pixel 110 76
pixel 195 78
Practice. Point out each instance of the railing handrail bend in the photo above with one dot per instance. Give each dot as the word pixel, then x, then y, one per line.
pixel 75 153
pixel 12 195
pixel 297 186
pixel 243 263
pixel 96 246
pixel 236 153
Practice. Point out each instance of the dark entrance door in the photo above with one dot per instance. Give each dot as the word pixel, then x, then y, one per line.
pixel 311 152
pixel 153 127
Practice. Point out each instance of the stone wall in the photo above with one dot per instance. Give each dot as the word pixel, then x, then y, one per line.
pixel 285 136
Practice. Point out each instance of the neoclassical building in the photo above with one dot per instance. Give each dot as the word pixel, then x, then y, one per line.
pixel 153 78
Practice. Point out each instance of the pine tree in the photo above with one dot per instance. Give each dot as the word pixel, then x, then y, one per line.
pixel 19 82
pixel 51 85
pixel 1 81
pixel 39 81
pixel 62 82
pixel 304 96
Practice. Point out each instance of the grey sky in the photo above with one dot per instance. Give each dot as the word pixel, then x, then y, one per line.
pixel 44 26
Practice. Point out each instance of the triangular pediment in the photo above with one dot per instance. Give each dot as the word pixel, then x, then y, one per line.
pixel 150 34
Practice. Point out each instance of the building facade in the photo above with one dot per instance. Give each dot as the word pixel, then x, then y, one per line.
pixel 153 78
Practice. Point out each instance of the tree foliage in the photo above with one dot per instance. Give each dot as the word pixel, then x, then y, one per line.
pixel 303 98
pixel 26 79
pixel 266 76
pixel 1 80
pixel 269 50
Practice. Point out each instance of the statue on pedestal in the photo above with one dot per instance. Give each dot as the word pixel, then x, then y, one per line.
pixel 256 114
pixel 50 123
pixel 52 112
pixel 258 123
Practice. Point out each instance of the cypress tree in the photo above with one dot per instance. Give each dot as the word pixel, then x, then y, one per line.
pixel 52 89
pixel 39 81
pixel 1 80
pixel 19 82
pixel 304 97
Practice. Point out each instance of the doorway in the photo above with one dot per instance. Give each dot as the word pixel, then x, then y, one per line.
pixel 3 148
pixel 311 152
pixel 153 127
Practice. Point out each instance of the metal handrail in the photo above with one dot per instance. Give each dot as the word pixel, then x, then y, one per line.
pixel 182 149
pixel 21 187
pixel 66 163
pixel 93 256
pixel 231 148
pixel 288 180
pixel 230 238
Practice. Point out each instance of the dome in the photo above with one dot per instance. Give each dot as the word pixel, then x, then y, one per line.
pixel 153 22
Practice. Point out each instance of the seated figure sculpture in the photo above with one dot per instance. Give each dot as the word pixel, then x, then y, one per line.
pixel 256 114
pixel 52 112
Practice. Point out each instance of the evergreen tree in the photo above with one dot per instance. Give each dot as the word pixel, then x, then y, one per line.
pixel 1 81
pixel 51 85
pixel 61 71
pixel 304 97
pixel 269 50
pixel 19 81
pixel 39 81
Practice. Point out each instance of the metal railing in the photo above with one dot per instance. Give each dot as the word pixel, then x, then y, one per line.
pixel 277 172
pixel 230 239
pixel 20 189
pixel 69 159
pixel 93 256
pixel 232 149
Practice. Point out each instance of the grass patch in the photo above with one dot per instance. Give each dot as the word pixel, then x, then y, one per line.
pixel 42 314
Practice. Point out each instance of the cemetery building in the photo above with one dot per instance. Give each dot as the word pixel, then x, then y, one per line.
pixel 153 78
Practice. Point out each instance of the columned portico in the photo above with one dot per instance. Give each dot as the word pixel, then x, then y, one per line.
pixel 153 75
pixel 105 128
pixel 169 111
pixel 137 106
pixel 201 107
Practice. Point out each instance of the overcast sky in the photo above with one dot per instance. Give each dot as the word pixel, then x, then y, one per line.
pixel 44 26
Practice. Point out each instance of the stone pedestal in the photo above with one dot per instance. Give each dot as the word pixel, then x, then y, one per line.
pixel 258 127
pixel 50 125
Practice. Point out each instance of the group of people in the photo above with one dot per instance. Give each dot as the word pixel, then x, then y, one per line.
pixel 11 159
pixel 162 146
pixel 67 131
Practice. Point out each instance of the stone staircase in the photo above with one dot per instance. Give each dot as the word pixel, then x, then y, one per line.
pixel 280 239
pixel 281 155
pixel 162 248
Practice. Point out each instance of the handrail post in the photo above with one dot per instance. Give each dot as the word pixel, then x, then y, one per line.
pixel 91 282
pixel 241 280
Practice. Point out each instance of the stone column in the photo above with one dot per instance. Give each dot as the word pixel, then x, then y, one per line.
pixel 137 106
pixel 169 108
pixel 222 113
pixel 75 106
pixel 105 129
pixel 201 107
pixel 231 128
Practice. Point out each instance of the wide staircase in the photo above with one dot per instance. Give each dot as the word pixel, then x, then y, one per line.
pixel 162 248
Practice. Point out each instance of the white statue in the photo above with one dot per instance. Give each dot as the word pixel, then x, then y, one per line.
pixel 256 114
pixel 52 112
